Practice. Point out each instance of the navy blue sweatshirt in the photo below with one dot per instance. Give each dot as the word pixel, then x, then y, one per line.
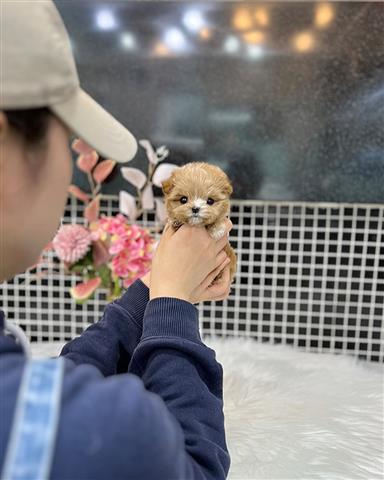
pixel 142 396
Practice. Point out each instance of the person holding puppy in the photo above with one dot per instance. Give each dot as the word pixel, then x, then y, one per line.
pixel 74 417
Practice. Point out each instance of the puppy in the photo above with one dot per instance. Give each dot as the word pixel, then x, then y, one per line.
pixel 198 194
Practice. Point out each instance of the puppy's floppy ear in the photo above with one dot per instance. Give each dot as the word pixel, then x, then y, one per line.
pixel 167 185
pixel 227 188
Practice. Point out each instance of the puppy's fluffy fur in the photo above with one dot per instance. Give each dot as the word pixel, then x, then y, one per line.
pixel 198 194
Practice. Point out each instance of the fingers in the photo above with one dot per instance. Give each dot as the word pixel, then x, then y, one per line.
pixel 146 279
pixel 219 290
pixel 207 282
pixel 168 232
pixel 218 299
pixel 214 249
pixel 208 296
pixel 222 242
pixel 221 257
pixel 168 229
pixel 228 225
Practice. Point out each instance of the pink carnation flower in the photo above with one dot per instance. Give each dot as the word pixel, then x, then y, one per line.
pixel 71 243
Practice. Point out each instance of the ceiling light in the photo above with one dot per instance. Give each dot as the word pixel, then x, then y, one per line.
pixel 128 41
pixel 324 15
pixel 242 19
pixel 175 39
pixel 254 37
pixel 261 16
pixel 205 33
pixel 193 20
pixel 161 50
pixel 255 51
pixel 304 42
pixel 105 20
pixel 232 44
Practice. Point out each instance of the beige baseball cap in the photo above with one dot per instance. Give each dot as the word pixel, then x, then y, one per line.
pixel 38 70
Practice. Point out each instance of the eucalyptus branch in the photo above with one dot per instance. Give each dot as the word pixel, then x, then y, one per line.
pixel 151 169
pixel 139 199
pixel 91 183
pixel 139 213
pixel 96 190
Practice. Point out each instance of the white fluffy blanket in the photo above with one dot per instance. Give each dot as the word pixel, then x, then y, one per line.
pixel 294 415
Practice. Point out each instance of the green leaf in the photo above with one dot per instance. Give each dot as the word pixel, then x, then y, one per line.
pixel 76 268
pixel 105 274
pixel 115 292
pixel 88 260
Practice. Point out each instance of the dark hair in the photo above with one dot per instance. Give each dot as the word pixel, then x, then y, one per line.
pixel 31 124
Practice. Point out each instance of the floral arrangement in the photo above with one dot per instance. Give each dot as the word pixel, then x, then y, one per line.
pixel 111 252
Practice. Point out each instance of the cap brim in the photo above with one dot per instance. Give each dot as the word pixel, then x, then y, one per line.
pixel 96 127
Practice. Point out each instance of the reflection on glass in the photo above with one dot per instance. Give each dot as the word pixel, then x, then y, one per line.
pixel 193 20
pixel 232 44
pixel 105 19
pixel 161 50
pixel 295 112
pixel 128 41
pixel 255 51
pixel 304 41
pixel 324 14
pixel 175 39
pixel 205 33
pixel 261 16
pixel 254 36
pixel 242 19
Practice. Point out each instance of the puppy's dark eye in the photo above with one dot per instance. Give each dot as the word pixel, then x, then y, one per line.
pixel 183 200
pixel 210 201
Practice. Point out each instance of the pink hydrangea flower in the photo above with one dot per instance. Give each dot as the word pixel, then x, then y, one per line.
pixel 132 248
pixel 125 266
pixel 97 232
pixel 114 225
pixel 71 243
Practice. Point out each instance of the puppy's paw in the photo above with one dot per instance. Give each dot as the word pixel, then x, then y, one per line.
pixel 217 232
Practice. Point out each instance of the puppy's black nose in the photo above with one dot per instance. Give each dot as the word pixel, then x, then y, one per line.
pixel 195 209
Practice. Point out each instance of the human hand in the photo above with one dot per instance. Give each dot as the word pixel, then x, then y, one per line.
pixel 183 261
pixel 206 291
pixel 220 290
pixel 146 279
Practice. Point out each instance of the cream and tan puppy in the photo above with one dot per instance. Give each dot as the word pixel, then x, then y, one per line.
pixel 198 194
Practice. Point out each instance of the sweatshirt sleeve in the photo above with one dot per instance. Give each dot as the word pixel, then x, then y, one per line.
pixel 109 343
pixel 173 363
pixel 114 428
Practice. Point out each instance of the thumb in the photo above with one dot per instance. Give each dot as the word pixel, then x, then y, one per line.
pixel 168 230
